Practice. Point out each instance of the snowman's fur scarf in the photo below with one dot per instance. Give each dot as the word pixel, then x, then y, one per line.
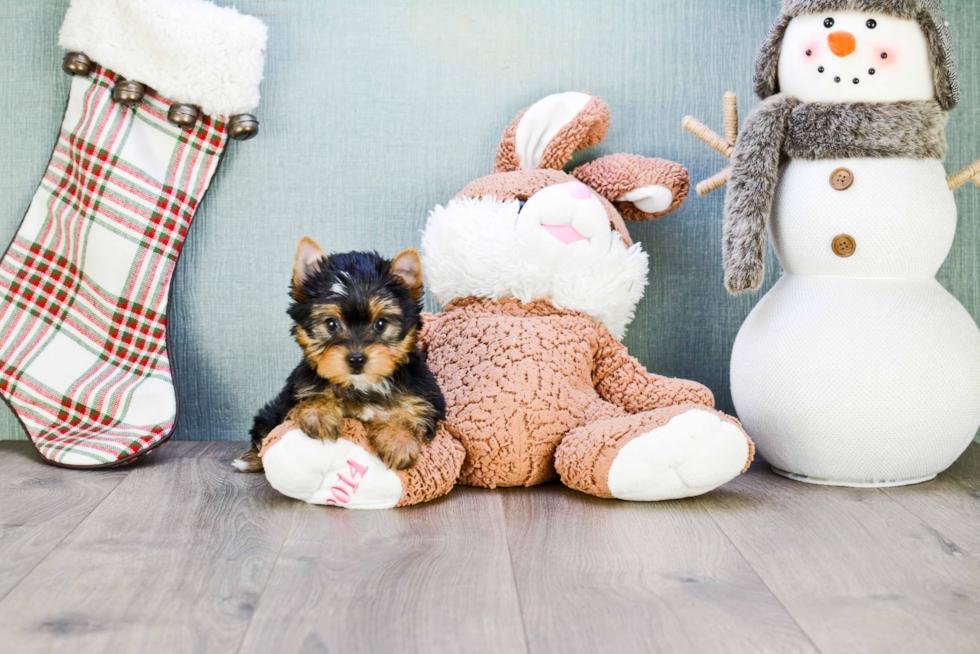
pixel 470 249
pixel 751 188
pixel 927 13
pixel 913 130
pixel 782 126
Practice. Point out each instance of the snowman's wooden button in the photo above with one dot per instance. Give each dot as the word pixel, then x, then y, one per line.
pixel 844 246
pixel 841 179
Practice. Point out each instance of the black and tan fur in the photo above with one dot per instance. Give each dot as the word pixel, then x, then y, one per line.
pixel 356 317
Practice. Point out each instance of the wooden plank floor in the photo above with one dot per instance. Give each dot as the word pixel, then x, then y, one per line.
pixel 179 554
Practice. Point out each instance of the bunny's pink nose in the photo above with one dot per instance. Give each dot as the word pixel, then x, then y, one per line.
pixel 564 233
pixel 578 190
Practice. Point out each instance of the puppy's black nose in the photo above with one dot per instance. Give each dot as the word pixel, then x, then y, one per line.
pixel 356 360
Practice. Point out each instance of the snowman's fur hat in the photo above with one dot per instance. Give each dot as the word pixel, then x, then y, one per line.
pixel 929 14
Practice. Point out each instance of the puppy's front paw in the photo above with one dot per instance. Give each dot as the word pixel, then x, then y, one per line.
pixel 400 456
pixel 397 446
pixel 316 423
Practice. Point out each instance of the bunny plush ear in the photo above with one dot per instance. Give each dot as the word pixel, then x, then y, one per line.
pixel 549 132
pixel 639 187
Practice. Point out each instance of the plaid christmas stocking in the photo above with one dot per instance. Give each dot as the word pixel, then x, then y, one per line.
pixel 159 87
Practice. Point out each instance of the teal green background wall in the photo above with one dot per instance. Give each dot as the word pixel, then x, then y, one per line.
pixel 375 111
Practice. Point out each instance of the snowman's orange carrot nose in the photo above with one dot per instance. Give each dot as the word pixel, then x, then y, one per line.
pixel 842 43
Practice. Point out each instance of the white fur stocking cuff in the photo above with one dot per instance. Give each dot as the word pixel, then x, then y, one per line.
pixel 190 51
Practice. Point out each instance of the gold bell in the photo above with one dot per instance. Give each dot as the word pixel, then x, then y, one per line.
pixel 243 127
pixel 182 115
pixel 76 63
pixel 129 92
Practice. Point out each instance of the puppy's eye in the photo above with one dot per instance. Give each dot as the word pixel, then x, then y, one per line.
pixel 332 325
pixel 828 23
pixel 380 325
pixel 872 24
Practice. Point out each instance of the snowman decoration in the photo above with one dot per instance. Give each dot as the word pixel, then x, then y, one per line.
pixel 857 368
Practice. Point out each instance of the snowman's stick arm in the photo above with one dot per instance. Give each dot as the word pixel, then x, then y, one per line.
pixel 706 134
pixel 731 118
pixel 714 183
pixel 971 172
pixel 724 145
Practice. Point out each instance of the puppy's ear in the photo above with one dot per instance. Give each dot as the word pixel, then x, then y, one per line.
pixel 549 132
pixel 407 266
pixel 309 258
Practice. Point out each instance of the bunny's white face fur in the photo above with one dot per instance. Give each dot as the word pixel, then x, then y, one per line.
pixel 559 247
pixel 563 223
pixel 851 56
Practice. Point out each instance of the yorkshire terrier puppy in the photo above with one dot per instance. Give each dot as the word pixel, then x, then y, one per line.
pixel 357 317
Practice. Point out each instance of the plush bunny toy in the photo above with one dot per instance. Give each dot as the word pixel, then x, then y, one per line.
pixel 539 279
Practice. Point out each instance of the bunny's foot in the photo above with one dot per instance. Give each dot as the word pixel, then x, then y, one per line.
pixel 670 453
pixel 348 473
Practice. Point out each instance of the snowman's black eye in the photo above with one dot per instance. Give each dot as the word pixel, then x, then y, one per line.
pixel 872 24
pixel 828 23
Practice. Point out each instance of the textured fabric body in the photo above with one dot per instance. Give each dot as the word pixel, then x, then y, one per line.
pixel 858 380
pixel 519 377
pixel 85 283
pixel 900 213
pixel 929 14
